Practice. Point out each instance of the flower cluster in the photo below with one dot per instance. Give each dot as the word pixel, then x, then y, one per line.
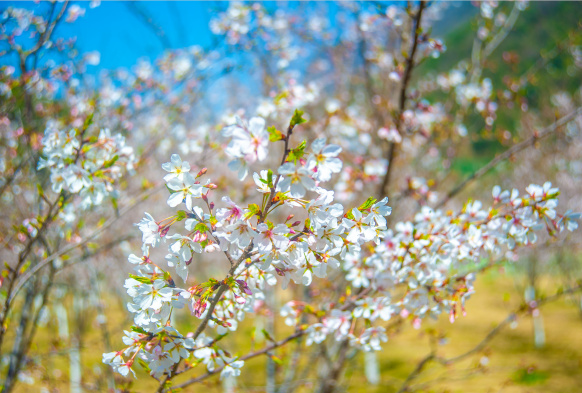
pixel 421 268
pixel 261 251
pixel 426 267
pixel 248 143
pixel 85 165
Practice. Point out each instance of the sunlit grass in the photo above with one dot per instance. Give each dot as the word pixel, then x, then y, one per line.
pixel 510 362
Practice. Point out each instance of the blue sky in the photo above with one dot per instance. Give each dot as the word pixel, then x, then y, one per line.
pixel 114 29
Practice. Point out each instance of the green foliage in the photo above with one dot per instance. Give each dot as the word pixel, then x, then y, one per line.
pixel 254 209
pixel 297 118
pixel 143 280
pixel 274 134
pixel 111 162
pixel 368 204
pixel 138 329
pixel 556 24
pixel 298 152
pixel 530 376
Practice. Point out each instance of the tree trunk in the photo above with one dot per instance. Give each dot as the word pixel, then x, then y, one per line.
pixel 331 381
pixel 17 355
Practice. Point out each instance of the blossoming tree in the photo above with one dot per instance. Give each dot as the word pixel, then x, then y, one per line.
pixel 328 200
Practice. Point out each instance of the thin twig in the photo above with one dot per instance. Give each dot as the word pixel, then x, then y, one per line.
pixel 509 152
pixel 89 238
pixel 246 357
pixel 524 307
pixel 391 154
pixel 145 17
pixel 416 372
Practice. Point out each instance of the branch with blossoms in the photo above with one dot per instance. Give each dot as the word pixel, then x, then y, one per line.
pixel 414 271
pixel 421 365
pixel 83 169
pixel 266 248
pixel 77 165
pixel 87 240
pixel 251 355
pixel 360 277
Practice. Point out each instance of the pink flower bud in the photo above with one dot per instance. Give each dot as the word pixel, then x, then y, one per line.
pixel 199 237
pixel 202 172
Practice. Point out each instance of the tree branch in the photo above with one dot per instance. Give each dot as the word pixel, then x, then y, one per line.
pixel 391 154
pixel 508 153
pixel 524 307
pixel 246 253
pixel 246 357
pixel 89 238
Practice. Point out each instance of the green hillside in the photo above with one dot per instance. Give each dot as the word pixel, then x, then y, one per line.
pixel 540 40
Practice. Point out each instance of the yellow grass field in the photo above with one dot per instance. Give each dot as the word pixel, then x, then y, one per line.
pixel 509 363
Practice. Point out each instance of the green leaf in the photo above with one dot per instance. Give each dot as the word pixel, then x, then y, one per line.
pixel 88 121
pixel 40 190
pixel 202 228
pixel 298 152
pixel 368 204
pixel 276 359
pixel 254 209
pixel 143 280
pixel 142 363
pixel 138 329
pixel 274 134
pixel 280 96
pixel 297 118
pixel 267 335
pixel 110 163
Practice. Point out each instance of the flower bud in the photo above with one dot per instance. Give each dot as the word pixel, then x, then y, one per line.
pixel 202 172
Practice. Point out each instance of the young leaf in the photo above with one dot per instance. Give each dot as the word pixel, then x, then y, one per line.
pixel 297 118
pixel 274 134
pixel 298 152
